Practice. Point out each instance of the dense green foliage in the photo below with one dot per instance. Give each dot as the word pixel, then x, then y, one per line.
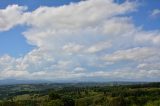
pixel 80 95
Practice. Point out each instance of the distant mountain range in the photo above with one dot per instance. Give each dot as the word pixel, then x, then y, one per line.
pixel 15 81
pixel 110 83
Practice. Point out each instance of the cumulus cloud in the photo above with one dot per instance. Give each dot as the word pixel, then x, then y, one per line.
pixel 11 16
pixel 148 37
pixel 78 40
pixel 128 75
pixel 149 66
pixel 97 47
pixel 136 54
pixel 72 48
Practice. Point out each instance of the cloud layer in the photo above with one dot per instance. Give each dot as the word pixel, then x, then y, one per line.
pixel 81 41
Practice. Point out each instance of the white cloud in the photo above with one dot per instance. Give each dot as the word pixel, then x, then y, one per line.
pixel 121 26
pixel 155 13
pixel 49 24
pixel 149 66
pixel 73 48
pixel 75 15
pixel 71 40
pixel 128 75
pixel 148 37
pixel 135 54
pixel 99 47
pixel 11 16
pixel 79 70
pixel 81 49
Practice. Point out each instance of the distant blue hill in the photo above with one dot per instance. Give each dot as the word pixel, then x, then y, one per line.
pixel 88 83
pixel 15 81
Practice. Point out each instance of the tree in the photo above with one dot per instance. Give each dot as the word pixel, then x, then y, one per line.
pixel 53 96
pixel 68 101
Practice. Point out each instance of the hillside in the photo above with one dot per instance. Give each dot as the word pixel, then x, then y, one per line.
pixel 80 94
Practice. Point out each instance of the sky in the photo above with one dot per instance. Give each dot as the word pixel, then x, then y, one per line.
pixel 80 40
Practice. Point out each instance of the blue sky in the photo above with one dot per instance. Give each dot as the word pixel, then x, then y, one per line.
pixel 32 5
pixel 81 40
